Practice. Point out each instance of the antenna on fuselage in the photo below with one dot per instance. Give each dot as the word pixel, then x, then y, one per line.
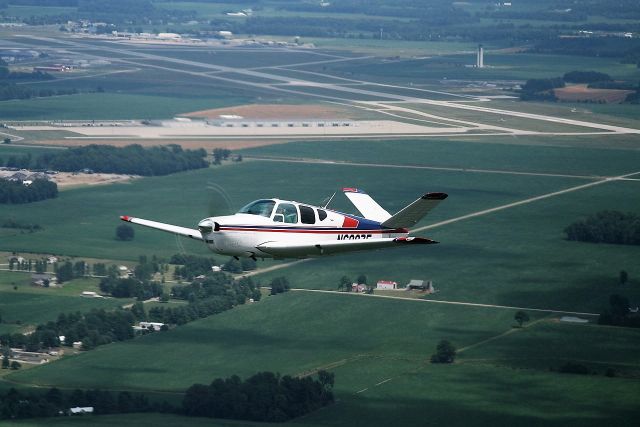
pixel 330 199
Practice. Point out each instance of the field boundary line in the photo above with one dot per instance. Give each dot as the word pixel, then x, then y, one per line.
pixel 504 334
pixel 437 168
pixel 436 301
pixel 524 202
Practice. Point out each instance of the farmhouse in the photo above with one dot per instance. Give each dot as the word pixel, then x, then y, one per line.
pixel 79 410
pixel 358 287
pixel 90 294
pixel 156 326
pixel 386 284
pixel 43 279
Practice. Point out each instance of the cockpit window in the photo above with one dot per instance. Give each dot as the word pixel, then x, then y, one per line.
pixel 322 214
pixel 287 213
pixel 259 207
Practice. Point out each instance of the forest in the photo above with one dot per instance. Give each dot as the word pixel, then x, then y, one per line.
pixel 607 227
pixel 15 192
pixel 132 159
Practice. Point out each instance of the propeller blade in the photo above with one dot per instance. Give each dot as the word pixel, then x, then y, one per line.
pixel 219 203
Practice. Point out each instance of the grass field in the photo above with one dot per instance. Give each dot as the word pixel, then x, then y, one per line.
pixel 377 347
pixel 498 67
pixel 290 334
pixel 382 375
pixel 28 306
pixel 183 199
pixel 106 106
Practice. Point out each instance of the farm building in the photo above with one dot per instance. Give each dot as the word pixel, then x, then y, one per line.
pixel 90 294
pixel 358 287
pixel 43 279
pixel 386 284
pixel 79 410
pixel 149 325
pixel 420 285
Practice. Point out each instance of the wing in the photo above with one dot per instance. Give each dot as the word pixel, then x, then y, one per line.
pixel 175 229
pixel 303 250
pixel 368 207
pixel 411 214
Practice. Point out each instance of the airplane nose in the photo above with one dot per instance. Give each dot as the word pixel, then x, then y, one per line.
pixel 207 226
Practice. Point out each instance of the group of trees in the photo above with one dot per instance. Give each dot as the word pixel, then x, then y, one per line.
pixel 68 270
pixel 618 313
pixel 543 89
pixel 445 353
pixel 607 227
pixel 13 91
pixel 238 266
pixel 279 285
pixel 12 223
pixel 190 266
pixel 132 159
pixel 125 232
pixel 215 294
pixel 94 328
pixel 139 285
pixel 130 287
pixel 37 265
pixel 15 192
pixel 16 404
pixel 263 397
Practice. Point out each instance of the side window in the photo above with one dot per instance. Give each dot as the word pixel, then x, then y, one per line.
pixel 322 214
pixel 288 211
pixel 307 216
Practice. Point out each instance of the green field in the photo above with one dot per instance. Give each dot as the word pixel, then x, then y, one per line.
pixel 379 351
pixel 106 106
pixel 28 306
pixel 514 256
pixel 498 67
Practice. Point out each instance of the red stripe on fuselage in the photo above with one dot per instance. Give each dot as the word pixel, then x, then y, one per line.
pixel 320 231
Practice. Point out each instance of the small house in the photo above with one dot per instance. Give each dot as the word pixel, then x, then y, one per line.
pixel 420 285
pixel 43 279
pixel 386 284
pixel 358 287
pixel 156 326
pixel 79 410
pixel 90 294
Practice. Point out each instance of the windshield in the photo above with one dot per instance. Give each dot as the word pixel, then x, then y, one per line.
pixel 259 207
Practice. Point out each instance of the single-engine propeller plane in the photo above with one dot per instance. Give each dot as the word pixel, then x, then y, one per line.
pixel 274 228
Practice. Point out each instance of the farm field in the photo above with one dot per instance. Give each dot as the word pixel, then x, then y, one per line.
pixel 104 106
pixel 520 66
pixel 369 369
pixel 501 230
pixel 24 306
pixel 183 199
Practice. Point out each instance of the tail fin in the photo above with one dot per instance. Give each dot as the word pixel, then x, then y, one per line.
pixel 368 207
pixel 411 214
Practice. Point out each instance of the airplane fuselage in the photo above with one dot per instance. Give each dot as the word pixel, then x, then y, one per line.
pixel 243 234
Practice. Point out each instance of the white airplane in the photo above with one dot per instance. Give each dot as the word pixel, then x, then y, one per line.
pixel 274 228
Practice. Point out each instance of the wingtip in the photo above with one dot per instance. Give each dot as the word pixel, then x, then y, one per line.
pixel 125 218
pixel 435 196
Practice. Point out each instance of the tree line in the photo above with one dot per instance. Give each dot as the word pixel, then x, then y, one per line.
pixel 15 192
pixel 619 314
pixel 131 159
pixel 95 328
pixel 15 404
pixel 263 397
pixel 607 227
pixel 216 293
